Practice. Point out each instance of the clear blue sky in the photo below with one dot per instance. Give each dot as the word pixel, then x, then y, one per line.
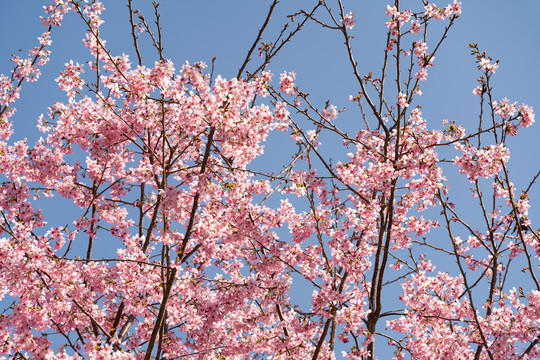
pixel 201 30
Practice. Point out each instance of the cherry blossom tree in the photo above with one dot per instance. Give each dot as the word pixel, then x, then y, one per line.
pixel 208 250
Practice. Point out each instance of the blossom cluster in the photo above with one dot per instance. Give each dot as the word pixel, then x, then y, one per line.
pixel 484 162
pixel 286 83
pixel 348 20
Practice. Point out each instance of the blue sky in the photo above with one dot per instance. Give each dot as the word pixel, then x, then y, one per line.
pixel 201 30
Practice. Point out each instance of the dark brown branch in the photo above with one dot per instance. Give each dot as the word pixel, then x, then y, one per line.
pixel 196 197
pixel 161 315
pixel 259 35
pixel 135 43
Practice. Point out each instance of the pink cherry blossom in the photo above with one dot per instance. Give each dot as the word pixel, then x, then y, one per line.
pixel 421 75
pixel 504 108
pixel 487 65
pixel 415 27
pixel 402 100
pixel 390 45
pixel 286 83
pixel 455 7
pixel 430 10
pixel 420 49
pixel 485 162
pixel 70 80
pixel 391 11
pixel 331 112
pixel 348 20
pixel 527 116
pixel 478 91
